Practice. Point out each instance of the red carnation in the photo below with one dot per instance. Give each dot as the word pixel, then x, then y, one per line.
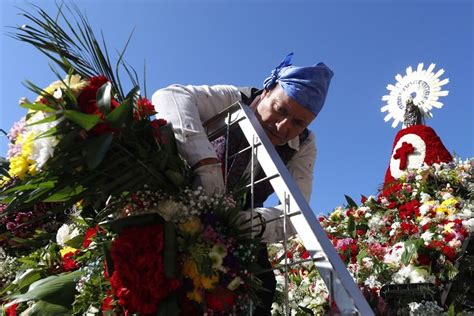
pixel 409 210
pixel 139 280
pixel 68 263
pixel 305 255
pixel 91 233
pixel 11 310
pixel 220 299
pixel 155 125
pixel 449 252
pixel 108 303
pixel 424 260
pixel 143 109
pixel 408 228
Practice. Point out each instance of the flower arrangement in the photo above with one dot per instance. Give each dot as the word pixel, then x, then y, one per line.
pixel 95 214
pixel 412 232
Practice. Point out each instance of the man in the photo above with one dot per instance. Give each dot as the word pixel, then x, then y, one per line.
pixel 291 99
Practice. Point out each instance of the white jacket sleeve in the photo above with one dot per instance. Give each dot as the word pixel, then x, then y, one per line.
pixel 187 107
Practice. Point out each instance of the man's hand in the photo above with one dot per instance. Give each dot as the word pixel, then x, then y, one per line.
pixel 209 177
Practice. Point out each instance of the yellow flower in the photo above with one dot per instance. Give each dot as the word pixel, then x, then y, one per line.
pixel 209 282
pixel 21 164
pixel 75 83
pixel 448 228
pixel 192 226
pixel 200 281
pixel 195 295
pixel 336 215
pixel 66 250
pixel 450 202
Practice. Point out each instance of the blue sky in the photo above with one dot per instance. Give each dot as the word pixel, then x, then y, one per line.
pixel 366 43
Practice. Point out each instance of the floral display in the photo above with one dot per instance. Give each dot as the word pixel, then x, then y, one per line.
pixel 95 212
pixel 413 231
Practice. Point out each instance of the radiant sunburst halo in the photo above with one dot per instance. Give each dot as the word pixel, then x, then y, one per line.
pixel 422 86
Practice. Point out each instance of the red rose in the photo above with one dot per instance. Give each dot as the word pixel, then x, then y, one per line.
pixel 87 100
pixel 363 199
pixel 305 255
pixel 220 299
pixel 289 255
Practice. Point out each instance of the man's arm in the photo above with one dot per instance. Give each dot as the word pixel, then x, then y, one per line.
pixel 187 107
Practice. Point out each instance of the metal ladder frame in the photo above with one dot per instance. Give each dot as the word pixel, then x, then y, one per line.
pixel 339 282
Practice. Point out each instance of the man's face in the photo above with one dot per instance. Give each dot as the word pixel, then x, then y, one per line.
pixel 281 117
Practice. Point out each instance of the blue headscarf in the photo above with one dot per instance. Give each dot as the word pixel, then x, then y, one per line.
pixel 306 85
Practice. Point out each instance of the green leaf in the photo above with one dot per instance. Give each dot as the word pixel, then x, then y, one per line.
pixel 411 247
pixel 361 255
pixel 75 242
pixel 169 253
pixel 28 278
pixel 65 194
pixel 351 227
pixel 56 289
pixel 43 308
pixel 97 149
pixel 451 310
pixel 38 107
pixel 104 97
pixel 350 201
pixel 86 121
pixel 121 115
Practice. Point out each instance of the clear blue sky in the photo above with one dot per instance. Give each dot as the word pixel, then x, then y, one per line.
pixel 366 43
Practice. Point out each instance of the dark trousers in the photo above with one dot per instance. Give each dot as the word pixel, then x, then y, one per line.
pixel 269 284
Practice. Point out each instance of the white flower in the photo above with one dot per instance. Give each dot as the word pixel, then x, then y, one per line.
pixel 418 275
pixel 469 224
pixel 65 233
pixel 43 147
pixel 372 282
pixel 424 197
pixel 402 275
pixel 446 195
pixel 427 236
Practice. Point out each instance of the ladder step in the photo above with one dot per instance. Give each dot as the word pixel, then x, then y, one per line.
pixel 282 266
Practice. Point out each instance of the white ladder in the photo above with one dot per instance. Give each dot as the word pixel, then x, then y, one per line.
pixel 339 282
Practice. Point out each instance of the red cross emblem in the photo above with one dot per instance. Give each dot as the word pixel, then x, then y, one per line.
pixel 402 153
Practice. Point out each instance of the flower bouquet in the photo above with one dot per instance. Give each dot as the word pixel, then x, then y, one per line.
pixel 95 214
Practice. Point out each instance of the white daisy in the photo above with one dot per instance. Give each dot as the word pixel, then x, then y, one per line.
pixel 422 86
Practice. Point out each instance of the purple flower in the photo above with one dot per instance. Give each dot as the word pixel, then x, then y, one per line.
pixel 17 129
pixel 14 150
